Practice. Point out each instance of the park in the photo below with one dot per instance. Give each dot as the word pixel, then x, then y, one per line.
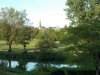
pixel 73 49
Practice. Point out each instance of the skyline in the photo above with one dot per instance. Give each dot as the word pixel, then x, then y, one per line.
pixel 50 12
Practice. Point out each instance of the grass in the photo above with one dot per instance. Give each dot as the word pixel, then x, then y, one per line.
pixel 17 52
pixel 17 47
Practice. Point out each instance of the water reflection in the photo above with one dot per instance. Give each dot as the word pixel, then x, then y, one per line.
pixel 22 65
pixel 31 65
pixel 28 66
pixel 3 63
pixel 14 64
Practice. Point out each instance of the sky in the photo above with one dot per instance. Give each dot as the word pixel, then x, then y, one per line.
pixel 50 12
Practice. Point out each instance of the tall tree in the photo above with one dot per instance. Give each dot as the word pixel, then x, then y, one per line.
pixel 84 31
pixel 25 32
pixel 11 20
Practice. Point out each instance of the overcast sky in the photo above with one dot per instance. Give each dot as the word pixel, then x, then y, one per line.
pixel 50 12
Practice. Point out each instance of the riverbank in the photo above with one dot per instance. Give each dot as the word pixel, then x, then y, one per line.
pixel 38 56
pixel 48 71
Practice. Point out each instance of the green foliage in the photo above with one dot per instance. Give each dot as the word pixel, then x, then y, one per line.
pixel 47 40
pixel 13 24
pixel 83 11
pixel 47 46
pixel 50 56
pixel 25 36
pixel 11 20
pixel 83 38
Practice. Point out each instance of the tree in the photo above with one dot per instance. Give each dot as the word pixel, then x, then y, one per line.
pixel 11 20
pixel 25 36
pixel 84 31
pixel 47 40
pixel 47 45
pixel 25 32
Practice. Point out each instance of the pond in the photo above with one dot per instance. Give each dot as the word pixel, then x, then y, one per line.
pixel 31 65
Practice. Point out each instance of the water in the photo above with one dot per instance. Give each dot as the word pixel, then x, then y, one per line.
pixel 28 66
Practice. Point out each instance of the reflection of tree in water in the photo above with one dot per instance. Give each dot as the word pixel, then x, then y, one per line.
pixel 47 67
pixel 9 60
pixel 22 65
pixel 3 63
pixel 44 67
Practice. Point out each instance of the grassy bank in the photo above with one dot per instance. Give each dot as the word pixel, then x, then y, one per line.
pixel 17 47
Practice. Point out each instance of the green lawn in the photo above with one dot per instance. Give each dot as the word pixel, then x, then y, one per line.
pixel 17 47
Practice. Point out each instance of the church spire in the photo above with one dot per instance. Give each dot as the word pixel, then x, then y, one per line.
pixel 40 24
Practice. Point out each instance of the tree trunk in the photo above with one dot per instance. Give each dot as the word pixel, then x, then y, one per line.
pixel 9 63
pixel 10 46
pixel 25 47
pixel 97 70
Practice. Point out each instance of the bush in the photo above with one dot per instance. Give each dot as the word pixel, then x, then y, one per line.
pixel 50 56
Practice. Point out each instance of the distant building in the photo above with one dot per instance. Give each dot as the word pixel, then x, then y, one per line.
pixel 41 28
pixel 55 28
